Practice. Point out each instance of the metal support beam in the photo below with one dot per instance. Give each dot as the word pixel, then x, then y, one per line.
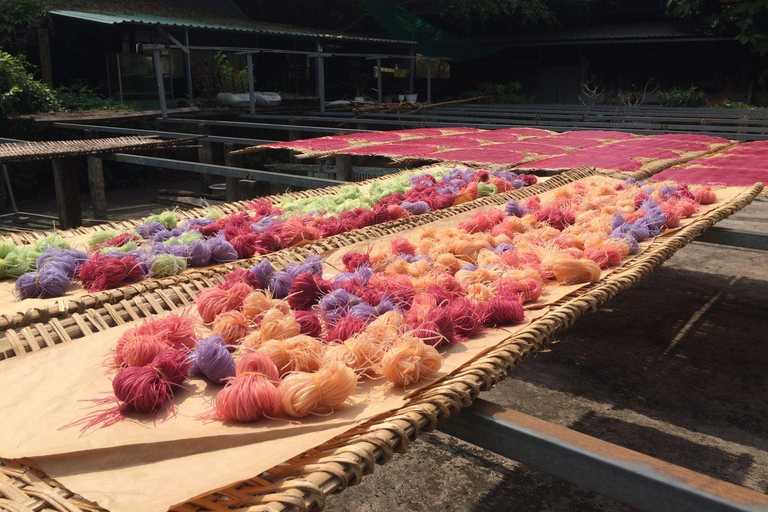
pixel 233 184
pixel 625 475
pixel 268 126
pixel 321 78
pixel 168 135
pixel 160 84
pixel 378 79
pixel 429 82
pixel 411 68
pixel 251 85
pixel 182 47
pixel 188 59
pixel 734 238
pixel 223 170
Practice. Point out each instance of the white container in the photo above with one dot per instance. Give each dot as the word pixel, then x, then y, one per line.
pixel 359 99
pixel 411 98
pixel 401 98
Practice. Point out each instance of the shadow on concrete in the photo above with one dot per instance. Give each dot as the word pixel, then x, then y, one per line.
pixel 710 379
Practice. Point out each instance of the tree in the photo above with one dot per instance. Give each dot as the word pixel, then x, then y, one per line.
pixel 746 20
pixel 20 93
pixel 20 19
pixel 460 17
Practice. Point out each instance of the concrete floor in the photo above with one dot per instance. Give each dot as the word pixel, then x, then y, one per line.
pixel 674 368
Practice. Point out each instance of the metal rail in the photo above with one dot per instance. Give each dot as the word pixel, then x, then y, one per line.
pixel 238 141
pixel 223 170
pixel 741 133
pixel 625 475
pixel 267 126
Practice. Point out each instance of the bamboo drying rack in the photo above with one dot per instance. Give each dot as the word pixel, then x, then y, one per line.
pixel 46 150
pixel 227 208
pixel 303 482
pixel 73 317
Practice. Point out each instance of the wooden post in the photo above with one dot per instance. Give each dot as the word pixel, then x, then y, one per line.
pixel 96 185
pixel 231 160
pixel 248 189
pixel 67 192
pixel 46 66
pixel 96 180
pixel 343 167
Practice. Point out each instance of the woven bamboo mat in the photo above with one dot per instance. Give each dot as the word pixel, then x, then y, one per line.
pixel 737 165
pixel 636 157
pixel 303 482
pixel 73 317
pixel 509 153
pixel 459 137
pixel 46 150
pixel 332 144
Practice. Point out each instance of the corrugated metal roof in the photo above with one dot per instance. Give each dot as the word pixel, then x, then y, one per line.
pixel 658 30
pixel 233 25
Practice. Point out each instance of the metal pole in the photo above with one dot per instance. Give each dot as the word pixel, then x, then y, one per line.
pixel 189 64
pixel 120 76
pixel 160 84
pixel 378 77
pixel 251 90
pixel 429 81
pixel 10 189
pixel 624 475
pixel 321 81
pixel 109 81
pixel 411 67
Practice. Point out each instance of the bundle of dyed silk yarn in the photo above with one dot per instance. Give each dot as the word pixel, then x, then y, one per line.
pixel 293 341
pixel 165 246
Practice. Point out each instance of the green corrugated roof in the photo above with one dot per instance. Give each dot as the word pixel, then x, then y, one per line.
pixel 234 25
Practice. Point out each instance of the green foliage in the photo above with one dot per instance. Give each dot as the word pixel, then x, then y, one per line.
pixel 676 97
pixel 19 18
pixel 734 104
pixel 502 93
pixel 20 93
pixel 82 97
pixel 468 16
pixel 222 77
pixel 232 79
pixel 746 20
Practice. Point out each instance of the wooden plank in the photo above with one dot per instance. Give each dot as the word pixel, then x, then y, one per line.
pixel 96 185
pixel 67 193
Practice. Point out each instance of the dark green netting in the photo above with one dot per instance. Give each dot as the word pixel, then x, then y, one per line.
pixel 432 41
